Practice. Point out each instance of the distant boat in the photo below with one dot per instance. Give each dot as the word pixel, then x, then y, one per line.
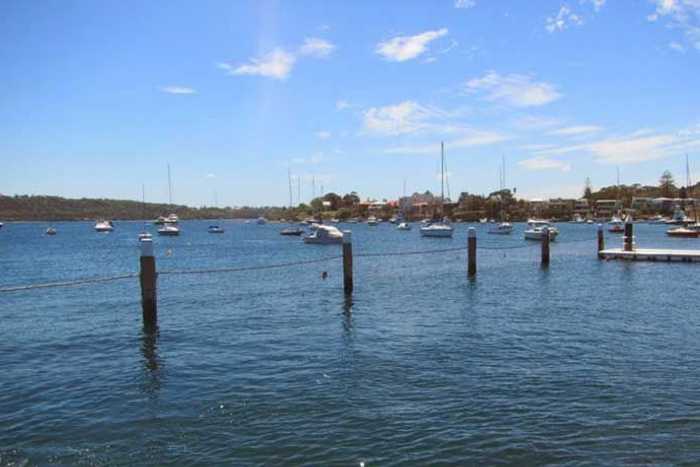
pixel 169 231
pixel 292 231
pixel 325 235
pixel 615 225
pixel 577 219
pixel 503 228
pixel 104 226
pixel 679 218
pixel 403 226
pixel 145 236
pixel 372 221
pixel 352 221
pixel 658 219
pixel 51 231
pixel 691 231
pixel 215 229
pixel 483 220
pixel 261 221
pixel 1 224
pixel 441 229
pixel 535 230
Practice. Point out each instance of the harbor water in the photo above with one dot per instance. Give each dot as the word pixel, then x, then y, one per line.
pixel 585 362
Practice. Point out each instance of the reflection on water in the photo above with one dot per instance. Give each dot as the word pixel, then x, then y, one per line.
pixel 153 364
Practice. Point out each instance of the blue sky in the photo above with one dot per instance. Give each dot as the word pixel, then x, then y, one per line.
pixel 96 98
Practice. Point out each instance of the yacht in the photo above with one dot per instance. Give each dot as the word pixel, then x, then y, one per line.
pixel 589 221
pixel 615 225
pixel 104 226
pixel 691 231
pixel 483 220
pixel 658 219
pixel 325 235
pixel 403 226
pixel 51 231
pixel 372 221
pixel 577 219
pixel 535 230
pixel 503 228
pixel 169 230
pixel 261 220
pixel 394 219
pixel 679 218
pixel 439 229
pixel 215 229
pixel 292 231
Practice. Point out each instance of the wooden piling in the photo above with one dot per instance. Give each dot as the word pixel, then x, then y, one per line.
pixel 601 241
pixel 545 246
pixel 347 262
pixel 148 276
pixel 629 236
pixel 471 256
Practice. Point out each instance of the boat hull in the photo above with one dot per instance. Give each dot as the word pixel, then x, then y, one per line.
pixel 437 233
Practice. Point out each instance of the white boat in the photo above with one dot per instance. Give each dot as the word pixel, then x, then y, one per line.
pixel 658 219
pixel 589 221
pixel 104 226
pixel 261 221
pixel 172 219
pixel 441 229
pixel 51 231
pixel 438 229
pixel 352 221
pixel 325 235
pixel 615 225
pixel 535 230
pixel 215 229
pixel 577 219
pixel 169 230
pixel 503 228
pixel 372 221
pixel 145 236
pixel 403 226
pixel 690 231
pixel 394 219
pixel 1 224
pixel 335 221
pixel 679 218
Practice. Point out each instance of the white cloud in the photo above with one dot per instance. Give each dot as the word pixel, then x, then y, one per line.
pixel 514 89
pixel 323 134
pixel 342 104
pixel 465 3
pixel 402 48
pixel 544 163
pixel 563 19
pixel 466 138
pixel 313 159
pixel 178 90
pixel 316 47
pixel 597 4
pixel 405 117
pixel 276 64
pixel 576 130
pixel 680 14
pixel 535 122
pixel 678 47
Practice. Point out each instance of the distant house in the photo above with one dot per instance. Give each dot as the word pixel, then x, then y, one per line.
pixel 642 204
pixel 607 207
pixel 581 206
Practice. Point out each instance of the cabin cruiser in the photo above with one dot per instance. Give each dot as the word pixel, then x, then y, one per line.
pixel 104 226
pixel 690 231
pixel 394 219
pixel 615 225
pixel 658 219
pixel 292 231
pixel 372 221
pixel 261 220
pixel 504 228
pixel 437 229
pixel 483 220
pixel 51 231
pixel 169 231
pixel 535 230
pixel 325 235
pixel 403 226
pixel 679 218
pixel 169 219
pixel 577 219
pixel 215 229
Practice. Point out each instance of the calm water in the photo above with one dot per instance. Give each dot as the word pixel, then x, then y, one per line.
pixel 588 362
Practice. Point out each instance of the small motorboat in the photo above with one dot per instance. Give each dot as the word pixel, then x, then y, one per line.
pixel 1 224
pixel 261 221
pixel 483 220
pixel 51 231
pixel 503 228
pixel 437 229
pixel 615 225
pixel 104 226
pixel 292 231
pixel 352 221
pixel 691 231
pixel 145 236
pixel 679 218
pixel 215 229
pixel 658 219
pixel 403 226
pixel 325 235
pixel 372 221
pixel 169 230
pixel 589 221
pixel 535 230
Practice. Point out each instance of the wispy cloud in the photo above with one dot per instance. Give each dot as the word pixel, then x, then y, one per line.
pixel 313 159
pixel 466 138
pixel 402 118
pixel 465 3
pixel 278 63
pixel 678 47
pixel 342 104
pixel 178 90
pixel 514 89
pixel 323 134
pixel 315 47
pixel 680 14
pixel 562 20
pixel 544 163
pixel 402 48
pixel 576 130
pixel 536 122
pixel 597 4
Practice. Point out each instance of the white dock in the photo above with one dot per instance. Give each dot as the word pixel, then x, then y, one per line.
pixel 652 254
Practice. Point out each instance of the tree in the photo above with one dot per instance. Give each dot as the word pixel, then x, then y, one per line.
pixel 666 184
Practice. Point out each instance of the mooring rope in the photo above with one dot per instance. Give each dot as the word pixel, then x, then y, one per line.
pixel 49 285
pixel 248 268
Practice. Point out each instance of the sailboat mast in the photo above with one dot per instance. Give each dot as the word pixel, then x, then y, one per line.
pixel 170 187
pixel 442 179
pixel 289 178
pixel 143 201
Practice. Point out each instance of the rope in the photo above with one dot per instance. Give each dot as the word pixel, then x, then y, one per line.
pixel 248 268
pixel 68 283
pixel 407 253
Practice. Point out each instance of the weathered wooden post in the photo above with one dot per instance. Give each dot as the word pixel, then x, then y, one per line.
pixel 545 246
pixel 148 276
pixel 347 262
pixel 629 235
pixel 601 241
pixel 471 252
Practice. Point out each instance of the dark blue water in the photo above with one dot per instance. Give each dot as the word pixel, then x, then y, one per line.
pixel 587 362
